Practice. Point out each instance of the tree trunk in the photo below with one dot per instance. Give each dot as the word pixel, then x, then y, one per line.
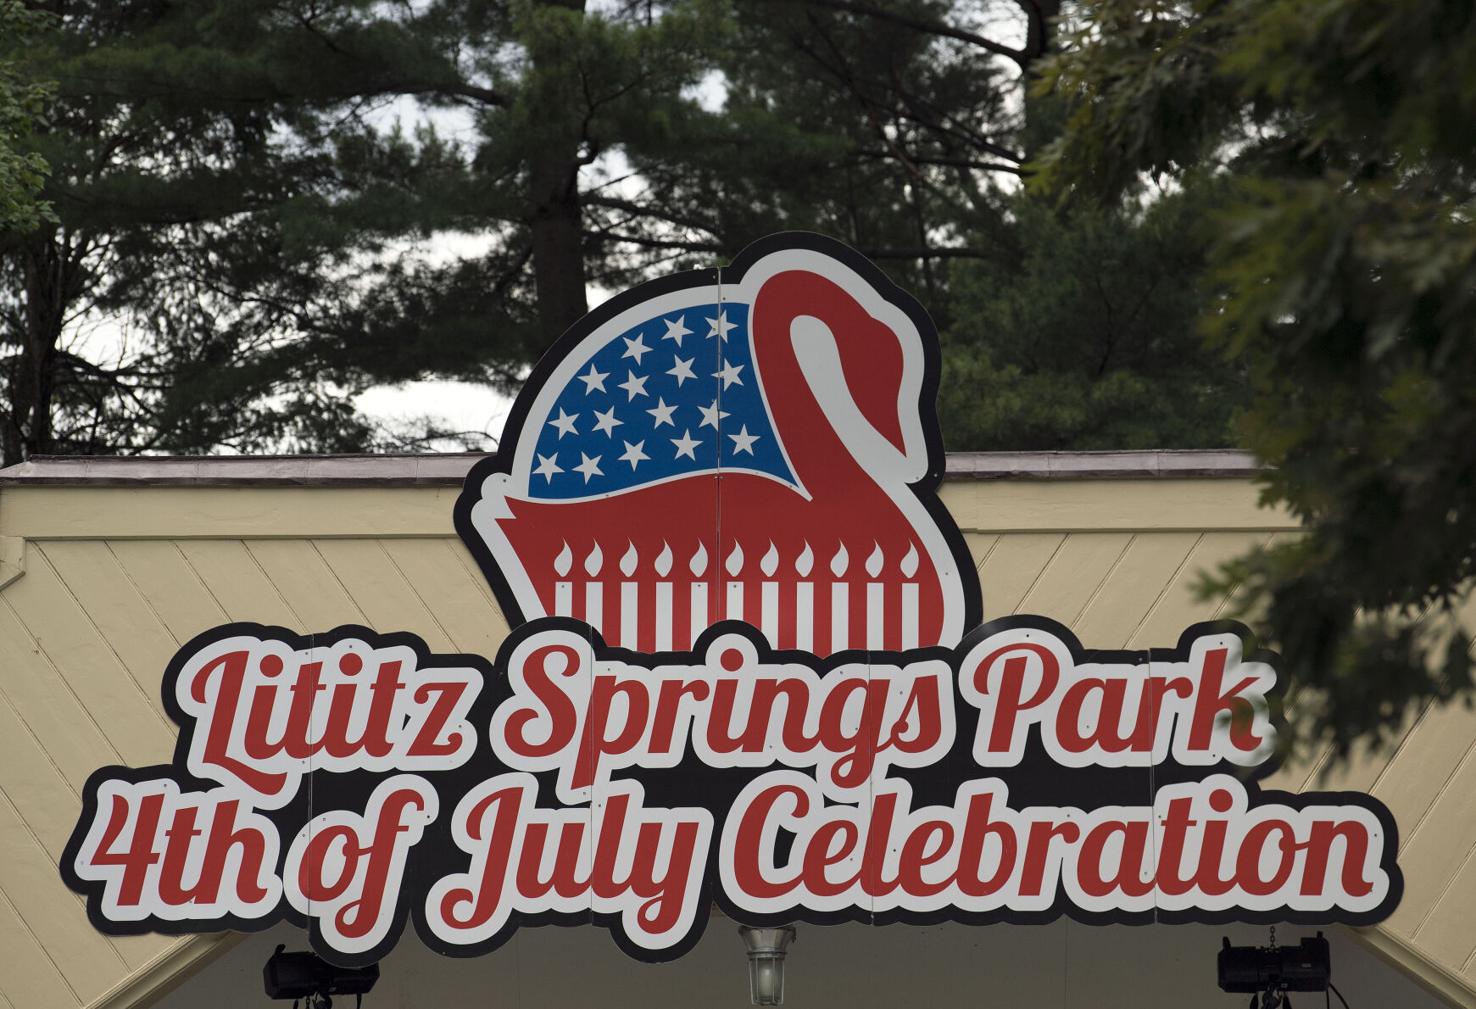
pixel 556 220
pixel 32 372
pixel 1042 28
pixel 558 240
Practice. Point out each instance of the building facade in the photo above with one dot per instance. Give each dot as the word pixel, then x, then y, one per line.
pixel 108 566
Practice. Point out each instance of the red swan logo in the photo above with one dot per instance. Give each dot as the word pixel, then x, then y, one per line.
pixel 756 443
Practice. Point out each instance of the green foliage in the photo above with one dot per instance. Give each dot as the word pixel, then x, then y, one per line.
pixel 245 239
pixel 202 233
pixel 1085 335
pixel 1344 272
pixel 251 240
pixel 22 172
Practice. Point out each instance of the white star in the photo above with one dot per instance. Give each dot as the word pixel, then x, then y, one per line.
pixel 606 422
pixel 634 453
pixel 565 423
pixel 711 415
pixel 636 348
pixel 594 380
pixel 676 330
pixel 743 441
pixel 589 467
pixel 686 445
pixel 634 386
pixel 682 369
pixel 729 375
pixel 662 412
pixel 548 465
pixel 719 327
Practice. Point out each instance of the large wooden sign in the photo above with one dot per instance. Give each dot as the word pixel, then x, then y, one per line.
pixel 747 667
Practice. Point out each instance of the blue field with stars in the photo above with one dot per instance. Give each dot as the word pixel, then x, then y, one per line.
pixel 674 396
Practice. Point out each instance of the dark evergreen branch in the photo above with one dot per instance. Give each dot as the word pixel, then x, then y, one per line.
pixel 630 207
pixel 1035 31
pixel 923 159
pixel 673 243
pixel 926 27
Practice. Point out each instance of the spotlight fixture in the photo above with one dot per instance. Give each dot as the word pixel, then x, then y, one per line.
pixel 767 948
pixel 307 976
pixel 1270 971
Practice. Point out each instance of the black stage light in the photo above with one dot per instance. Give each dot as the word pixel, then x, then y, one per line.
pixel 1306 966
pixel 307 976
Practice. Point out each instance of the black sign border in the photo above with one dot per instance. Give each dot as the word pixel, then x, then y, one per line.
pixel 436 854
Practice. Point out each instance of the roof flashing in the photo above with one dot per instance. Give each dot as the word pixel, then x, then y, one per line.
pixel 450 469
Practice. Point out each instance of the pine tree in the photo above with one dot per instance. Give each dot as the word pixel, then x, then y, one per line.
pixel 1083 333
pixel 21 173
pixel 1343 271
pixel 241 241
pixel 231 211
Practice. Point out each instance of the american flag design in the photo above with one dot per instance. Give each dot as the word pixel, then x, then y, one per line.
pixel 672 396
pixel 754 444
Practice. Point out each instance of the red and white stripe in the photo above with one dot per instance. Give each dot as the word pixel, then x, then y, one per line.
pixel 663 604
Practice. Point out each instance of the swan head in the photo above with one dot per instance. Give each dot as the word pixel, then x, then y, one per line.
pixel 859 344
pixel 862 383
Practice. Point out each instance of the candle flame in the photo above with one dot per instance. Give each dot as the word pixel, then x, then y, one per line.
pixel 770 562
pixel 805 562
pixel 628 560
pixel 564 561
pixel 840 561
pixel 734 562
pixel 594 561
pixel 874 560
pixel 909 561
pixel 663 560
pixel 698 564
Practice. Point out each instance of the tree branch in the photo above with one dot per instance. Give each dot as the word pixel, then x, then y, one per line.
pixel 672 243
pixel 926 27
pixel 630 207
pixel 923 159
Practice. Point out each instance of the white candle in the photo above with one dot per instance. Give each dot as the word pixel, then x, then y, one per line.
pixel 698 566
pixel 804 601
pixel 563 590
pixel 734 564
pixel 629 600
pixel 594 591
pixel 840 602
pixel 909 598
pixel 663 600
pixel 875 602
pixel 769 596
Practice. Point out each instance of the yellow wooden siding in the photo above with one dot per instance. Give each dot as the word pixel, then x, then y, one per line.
pixel 111 581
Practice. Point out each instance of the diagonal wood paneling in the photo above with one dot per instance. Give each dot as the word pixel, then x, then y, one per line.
pixel 130 626
pixel 43 702
pixel 444 577
pixel 31 977
pixel 1011 567
pixel 306 583
pixel 236 581
pixel 379 590
pixel 1149 569
pixel 58 628
pixel 1179 606
pixel 1071 575
pixel 105 600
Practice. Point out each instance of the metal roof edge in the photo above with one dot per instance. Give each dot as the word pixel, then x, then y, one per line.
pixel 450 469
